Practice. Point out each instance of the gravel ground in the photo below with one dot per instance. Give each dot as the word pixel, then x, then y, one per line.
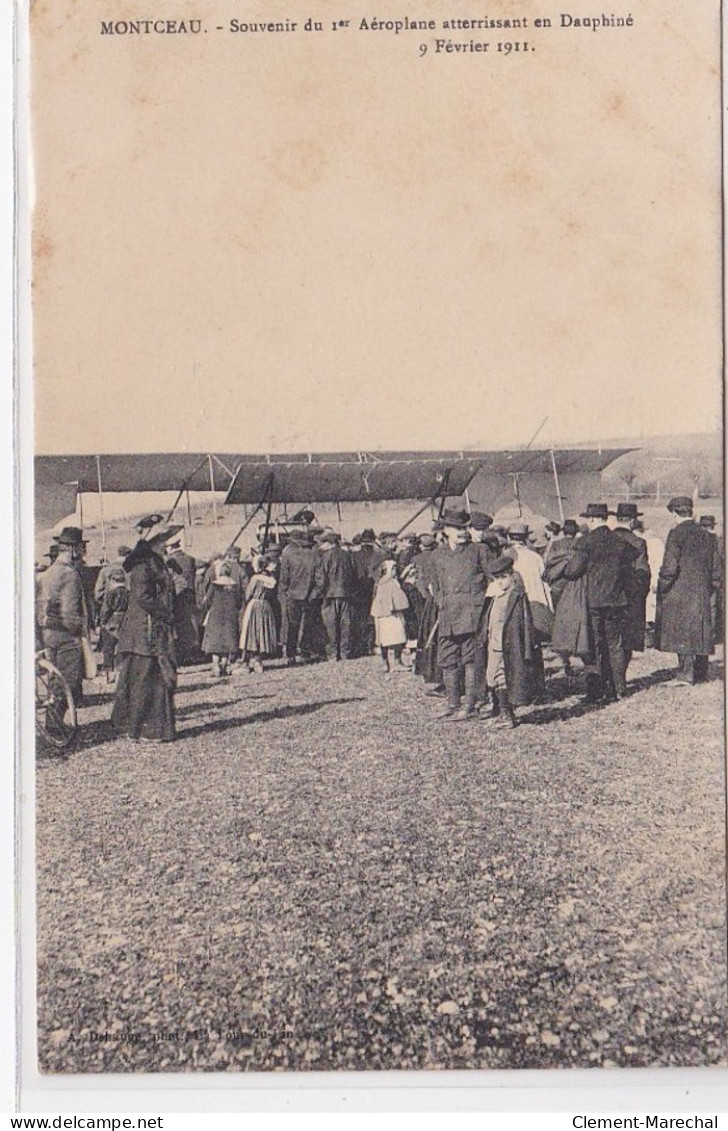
pixel 318 875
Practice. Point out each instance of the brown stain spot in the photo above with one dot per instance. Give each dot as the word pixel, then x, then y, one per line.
pixel 520 175
pixel 307 88
pixel 300 165
pixel 42 247
pixel 615 105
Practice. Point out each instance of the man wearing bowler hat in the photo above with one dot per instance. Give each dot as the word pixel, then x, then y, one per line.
pixel 65 616
pixel 460 576
pixel 338 585
pixel 603 558
pixel 300 582
pixel 690 574
pixel 637 580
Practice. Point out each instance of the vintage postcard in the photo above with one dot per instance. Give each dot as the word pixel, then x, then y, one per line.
pixel 375 353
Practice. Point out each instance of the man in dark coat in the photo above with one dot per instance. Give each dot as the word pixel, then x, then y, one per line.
pixel 367 564
pixel 557 555
pixel 707 521
pixel 603 558
pixel 186 614
pixel 338 585
pixel 691 572
pixel 637 581
pixel 300 584
pixel 460 575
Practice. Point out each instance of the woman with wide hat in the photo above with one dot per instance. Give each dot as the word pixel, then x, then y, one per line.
pixel 144 703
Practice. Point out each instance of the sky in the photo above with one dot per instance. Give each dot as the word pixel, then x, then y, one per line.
pixel 316 244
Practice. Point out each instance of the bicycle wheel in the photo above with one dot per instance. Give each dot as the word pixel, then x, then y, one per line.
pixel 55 710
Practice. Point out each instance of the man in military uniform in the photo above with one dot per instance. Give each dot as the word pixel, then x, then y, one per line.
pixel 636 582
pixel 691 573
pixel 459 577
pixel 64 617
pixel 603 557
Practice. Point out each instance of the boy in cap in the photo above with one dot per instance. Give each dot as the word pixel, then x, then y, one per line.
pixel 510 669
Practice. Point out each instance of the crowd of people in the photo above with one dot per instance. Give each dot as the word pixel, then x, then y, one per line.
pixel 468 605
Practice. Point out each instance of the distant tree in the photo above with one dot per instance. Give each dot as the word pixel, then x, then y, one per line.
pixel 702 474
pixel 629 471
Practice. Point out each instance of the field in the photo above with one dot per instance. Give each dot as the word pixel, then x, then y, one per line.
pixel 320 875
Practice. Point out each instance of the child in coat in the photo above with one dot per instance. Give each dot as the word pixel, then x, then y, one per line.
pixel 222 605
pixel 511 652
pixel 113 606
pixel 388 609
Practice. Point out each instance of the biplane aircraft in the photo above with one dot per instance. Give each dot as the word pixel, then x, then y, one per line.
pixel 553 482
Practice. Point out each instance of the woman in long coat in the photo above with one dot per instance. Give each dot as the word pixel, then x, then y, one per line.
pixel 426 656
pixel 144 703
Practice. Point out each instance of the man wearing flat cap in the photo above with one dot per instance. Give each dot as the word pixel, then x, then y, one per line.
pixel 636 583
pixel 603 558
pixel 460 575
pixel 690 574
pixel 64 616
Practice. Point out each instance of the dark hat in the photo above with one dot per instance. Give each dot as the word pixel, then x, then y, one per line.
pixel 368 536
pixel 503 564
pixel 707 520
pixel 328 537
pixel 232 551
pixel 356 540
pixel 71 536
pixel 553 527
pixel 627 511
pixel 497 530
pixel 459 520
pixel 52 552
pixel 148 522
pixel 570 527
pixel 165 533
pixel 681 503
pixel 122 551
pixel 595 510
pixel 304 515
pixel 519 530
pixel 387 535
pixel 480 521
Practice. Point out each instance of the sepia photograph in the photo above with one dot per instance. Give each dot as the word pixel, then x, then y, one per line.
pixel 375 536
